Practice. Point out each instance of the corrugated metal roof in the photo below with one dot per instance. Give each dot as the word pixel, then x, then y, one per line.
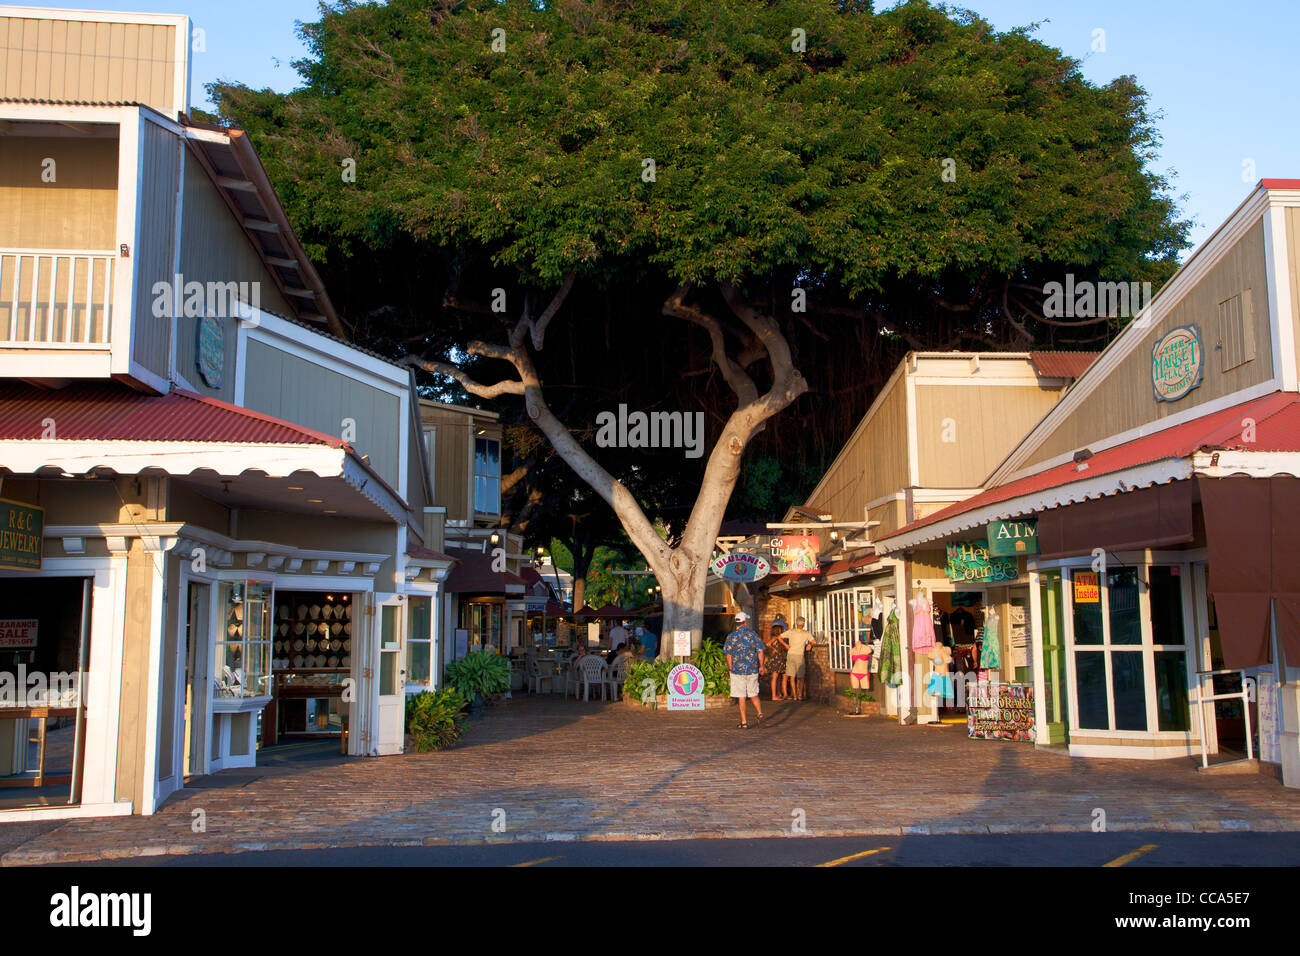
pixel 474 575
pixel 110 412
pixel 1276 427
pixel 1062 364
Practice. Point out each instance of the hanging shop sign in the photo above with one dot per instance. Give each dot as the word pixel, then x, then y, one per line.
pixel 685 688
pixel 741 567
pixel 1176 362
pixel 1087 587
pixel 970 561
pixel 794 554
pixel 996 711
pixel 18 635
pixel 22 533
pixel 1009 538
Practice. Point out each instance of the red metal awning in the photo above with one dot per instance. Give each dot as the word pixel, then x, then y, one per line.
pixel 473 574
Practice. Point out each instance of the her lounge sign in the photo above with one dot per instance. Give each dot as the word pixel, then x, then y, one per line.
pixel 22 534
pixel 970 561
pixel 1176 362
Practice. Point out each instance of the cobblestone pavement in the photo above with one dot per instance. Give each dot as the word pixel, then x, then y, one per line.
pixel 549 770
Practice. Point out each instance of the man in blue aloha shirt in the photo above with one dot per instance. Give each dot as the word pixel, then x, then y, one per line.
pixel 744 650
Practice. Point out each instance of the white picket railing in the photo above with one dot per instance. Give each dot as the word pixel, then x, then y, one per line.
pixel 52 298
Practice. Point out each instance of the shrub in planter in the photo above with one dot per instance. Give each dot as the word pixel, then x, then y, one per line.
pixel 709 659
pixel 435 720
pixel 482 673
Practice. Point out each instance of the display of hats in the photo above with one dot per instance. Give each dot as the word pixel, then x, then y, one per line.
pixel 335 645
pixel 297 645
pixel 284 612
pixel 347 645
pixel 299 628
pixel 311 643
pixel 284 629
pixel 336 628
pixel 315 611
pixel 346 662
pixel 347 612
pixel 347 628
pixel 302 610
pixel 327 611
pixel 332 662
pixel 297 660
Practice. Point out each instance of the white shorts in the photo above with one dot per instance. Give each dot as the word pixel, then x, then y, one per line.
pixel 744 685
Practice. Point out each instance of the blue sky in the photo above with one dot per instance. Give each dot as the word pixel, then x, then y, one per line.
pixel 1220 74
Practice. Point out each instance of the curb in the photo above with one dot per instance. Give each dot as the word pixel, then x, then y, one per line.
pixel 48 857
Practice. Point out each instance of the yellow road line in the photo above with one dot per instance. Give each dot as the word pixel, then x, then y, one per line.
pixel 855 856
pixel 1130 857
pixel 545 859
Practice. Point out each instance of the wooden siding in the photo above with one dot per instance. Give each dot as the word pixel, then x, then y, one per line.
pixel 965 431
pixel 452 465
pixel 155 253
pixel 1293 270
pixel 49 59
pixel 873 463
pixel 1124 400
pixel 305 393
pixel 214 247
pixel 132 721
pixel 76 211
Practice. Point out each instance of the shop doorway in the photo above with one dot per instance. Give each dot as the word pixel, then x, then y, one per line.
pixel 1056 706
pixel 392 679
pixel 312 653
pixel 197 647
pixel 44 655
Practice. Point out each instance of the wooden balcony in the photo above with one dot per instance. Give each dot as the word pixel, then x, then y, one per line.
pixel 56 298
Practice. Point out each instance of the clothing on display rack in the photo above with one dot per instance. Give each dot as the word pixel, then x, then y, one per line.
pixel 922 624
pixel 990 657
pixel 891 655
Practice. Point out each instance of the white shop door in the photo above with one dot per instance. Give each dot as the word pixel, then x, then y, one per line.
pixel 392 680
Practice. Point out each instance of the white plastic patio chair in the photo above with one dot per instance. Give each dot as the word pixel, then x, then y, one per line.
pixel 617 674
pixel 591 671
pixel 533 677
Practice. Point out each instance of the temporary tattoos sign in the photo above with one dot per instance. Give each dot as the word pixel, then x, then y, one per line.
pixel 996 711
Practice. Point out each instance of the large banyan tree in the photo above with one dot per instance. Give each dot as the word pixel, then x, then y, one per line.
pixel 718 206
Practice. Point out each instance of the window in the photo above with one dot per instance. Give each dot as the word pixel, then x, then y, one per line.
pixel 1118 668
pixel 419 641
pixel 1236 330
pixel 487 475
pixel 243 646
pixel 430 447
pixel 483 622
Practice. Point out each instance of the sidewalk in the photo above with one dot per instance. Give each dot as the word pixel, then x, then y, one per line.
pixel 543 769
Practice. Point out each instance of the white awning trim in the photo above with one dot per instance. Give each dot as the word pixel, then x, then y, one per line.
pixel 1114 483
pixel 1251 464
pixel 28 457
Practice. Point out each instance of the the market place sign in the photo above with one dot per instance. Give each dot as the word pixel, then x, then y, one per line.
pixel 1009 538
pixel 1176 362
pixel 970 561
pixel 22 534
pixel 741 567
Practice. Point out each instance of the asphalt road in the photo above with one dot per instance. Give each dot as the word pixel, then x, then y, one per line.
pixel 1078 850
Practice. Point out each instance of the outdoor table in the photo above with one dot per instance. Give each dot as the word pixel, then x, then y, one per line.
pixel 25 714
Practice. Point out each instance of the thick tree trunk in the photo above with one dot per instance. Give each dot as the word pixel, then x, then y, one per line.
pixel 683 595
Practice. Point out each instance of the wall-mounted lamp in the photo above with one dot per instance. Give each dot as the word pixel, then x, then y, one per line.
pixel 495 539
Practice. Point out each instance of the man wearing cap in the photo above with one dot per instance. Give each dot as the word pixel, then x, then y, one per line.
pixel 744 650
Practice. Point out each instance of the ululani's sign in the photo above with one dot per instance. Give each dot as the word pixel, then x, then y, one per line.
pixel 741 567
pixel 1009 538
pixel 1176 362
pixel 970 561
pixel 685 688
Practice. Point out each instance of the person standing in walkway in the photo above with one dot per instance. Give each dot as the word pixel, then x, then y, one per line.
pixel 776 658
pixel 744 651
pixel 797 642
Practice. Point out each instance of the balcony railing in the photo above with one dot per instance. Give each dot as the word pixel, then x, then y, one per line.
pixel 56 298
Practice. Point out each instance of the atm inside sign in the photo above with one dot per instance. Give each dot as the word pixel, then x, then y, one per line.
pixel 22 534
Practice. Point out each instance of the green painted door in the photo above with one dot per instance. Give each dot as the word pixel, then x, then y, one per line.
pixel 1055 690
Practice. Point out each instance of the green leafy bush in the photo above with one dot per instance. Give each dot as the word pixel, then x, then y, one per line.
pixel 709 659
pixel 435 720
pixel 482 672
pixel 852 694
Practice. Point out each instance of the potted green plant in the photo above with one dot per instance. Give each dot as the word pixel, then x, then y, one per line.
pixel 479 675
pixel 434 720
